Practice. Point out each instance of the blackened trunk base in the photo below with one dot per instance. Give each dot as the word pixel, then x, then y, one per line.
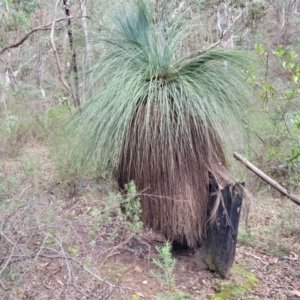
pixel 218 249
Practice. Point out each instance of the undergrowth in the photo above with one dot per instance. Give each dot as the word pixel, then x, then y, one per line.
pixel 165 265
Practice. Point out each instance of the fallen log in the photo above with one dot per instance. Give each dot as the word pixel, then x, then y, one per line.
pixel 266 178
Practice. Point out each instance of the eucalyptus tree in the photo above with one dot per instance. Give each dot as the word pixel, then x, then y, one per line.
pixel 162 118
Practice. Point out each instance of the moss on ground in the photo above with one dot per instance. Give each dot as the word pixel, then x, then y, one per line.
pixel 243 282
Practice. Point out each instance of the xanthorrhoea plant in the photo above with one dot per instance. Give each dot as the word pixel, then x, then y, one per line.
pixel 161 119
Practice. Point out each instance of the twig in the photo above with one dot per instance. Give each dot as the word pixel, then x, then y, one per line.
pixel 61 256
pixel 23 191
pixel 265 263
pixel 84 293
pixel 91 273
pixel 291 258
pixel 115 248
pixel 58 256
pixel 8 239
pixel 3 286
pixel 36 254
pixel 11 254
pixel 255 256
pixel 146 244
pixel 70 273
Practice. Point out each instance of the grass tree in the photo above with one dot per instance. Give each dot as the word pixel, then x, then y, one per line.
pixel 162 118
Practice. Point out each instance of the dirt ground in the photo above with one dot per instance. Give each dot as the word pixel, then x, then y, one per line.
pixel 63 239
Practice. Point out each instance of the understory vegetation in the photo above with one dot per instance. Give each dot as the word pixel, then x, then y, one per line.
pixel 67 230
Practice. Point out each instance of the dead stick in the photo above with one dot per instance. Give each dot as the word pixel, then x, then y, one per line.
pixel 266 178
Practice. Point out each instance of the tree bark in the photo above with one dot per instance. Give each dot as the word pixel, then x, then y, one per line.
pixel 266 178
pixel 88 48
pixel 74 60
pixel 218 249
pixel 55 53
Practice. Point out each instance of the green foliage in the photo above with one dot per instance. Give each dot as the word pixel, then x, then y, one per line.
pixel 7 4
pixel 245 237
pixel 8 182
pixel 277 118
pixel 26 119
pixel 10 132
pixel 129 215
pixel 256 11
pixel 27 6
pixel 73 251
pixel 269 230
pixel 142 70
pixel 18 13
pixel 132 207
pixel 56 116
pixel 177 296
pixel 289 224
pixel 98 220
pixel 52 122
pixel 11 123
pixel 166 265
pixel 31 165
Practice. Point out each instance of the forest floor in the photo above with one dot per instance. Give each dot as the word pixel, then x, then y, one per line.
pixel 63 239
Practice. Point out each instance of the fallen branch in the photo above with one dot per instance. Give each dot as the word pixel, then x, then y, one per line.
pixel 266 178
pixel 256 257
pixel 293 256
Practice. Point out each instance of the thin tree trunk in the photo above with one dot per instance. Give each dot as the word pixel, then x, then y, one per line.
pixel 295 7
pixel 218 25
pixel 88 48
pixel 266 178
pixel 9 79
pixel 228 40
pixel 3 91
pixel 74 61
pixel 40 64
pixel 55 53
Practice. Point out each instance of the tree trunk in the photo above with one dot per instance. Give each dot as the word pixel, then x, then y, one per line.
pixel 74 61
pixel 218 249
pixel 88 48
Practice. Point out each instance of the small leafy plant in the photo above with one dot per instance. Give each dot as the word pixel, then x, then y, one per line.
pixel 132 207
pixel 129 215
pixel 166 265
